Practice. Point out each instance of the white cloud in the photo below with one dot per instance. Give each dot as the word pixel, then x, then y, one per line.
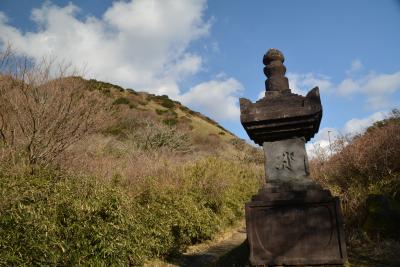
pixel 302 83
pixel 139 44
pixel 376 87
pixel 218 97
pixel 261 94
pixel 322 142
pixel 327 136
pixel 348 86
pixel 356 126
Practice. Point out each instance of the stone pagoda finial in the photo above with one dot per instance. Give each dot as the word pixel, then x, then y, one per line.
pixel 275 71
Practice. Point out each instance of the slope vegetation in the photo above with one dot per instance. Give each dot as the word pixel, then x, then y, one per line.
pixel 95 174
pixel 365 173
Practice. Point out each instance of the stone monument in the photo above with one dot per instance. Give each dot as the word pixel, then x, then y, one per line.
pixel 292 220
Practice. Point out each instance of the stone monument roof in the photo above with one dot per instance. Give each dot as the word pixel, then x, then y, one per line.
pixel 280 114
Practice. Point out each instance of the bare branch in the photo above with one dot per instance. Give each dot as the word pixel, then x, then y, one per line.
pixel 43 109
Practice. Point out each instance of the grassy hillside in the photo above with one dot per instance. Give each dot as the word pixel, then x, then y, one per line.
pixel 95 174
pixel 162 109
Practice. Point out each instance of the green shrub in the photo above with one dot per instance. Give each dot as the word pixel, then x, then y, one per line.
pixel 143 103
pixel 121 101
pixel 170 121
pixel 114 130
pixel 98 85
pixel 132 105
pixel 164 101
pixel 131 91
pixel 51 219
pixel 169 112
pixel 106 92
pixel 167 103
pixel 161 111
pixel 183 108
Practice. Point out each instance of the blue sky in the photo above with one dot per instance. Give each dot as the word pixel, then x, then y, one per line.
pixel 208 54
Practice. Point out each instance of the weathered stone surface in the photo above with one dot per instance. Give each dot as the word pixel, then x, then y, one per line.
pixel 273 55
pixel 293 232
pixel 275 71
pixel 292 220
pixel 286 162
pixel 281 115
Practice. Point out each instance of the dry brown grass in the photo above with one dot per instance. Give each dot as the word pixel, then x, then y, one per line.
pixel 369 164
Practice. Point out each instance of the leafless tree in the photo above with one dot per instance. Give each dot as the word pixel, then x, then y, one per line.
pixel 44 108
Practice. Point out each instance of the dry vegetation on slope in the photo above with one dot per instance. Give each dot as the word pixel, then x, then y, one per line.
pixel 94 174
pixel 365 173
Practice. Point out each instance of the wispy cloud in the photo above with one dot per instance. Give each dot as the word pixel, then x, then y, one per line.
pixel 217 97
pixel 302 83
pixel 354 126
pixel 377 87
pixel 356 65
pixel 358 125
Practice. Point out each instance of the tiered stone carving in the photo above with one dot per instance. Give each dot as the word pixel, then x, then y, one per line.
pixel 292 220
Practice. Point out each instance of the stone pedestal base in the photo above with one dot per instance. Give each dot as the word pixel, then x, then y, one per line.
pixel 295 228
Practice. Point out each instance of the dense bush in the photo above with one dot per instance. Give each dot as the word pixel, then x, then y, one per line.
pixel 52 219
pixel 369 165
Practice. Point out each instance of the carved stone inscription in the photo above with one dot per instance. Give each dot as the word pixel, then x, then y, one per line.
pixel 286 160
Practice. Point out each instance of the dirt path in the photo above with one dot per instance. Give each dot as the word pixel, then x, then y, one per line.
pixel 225 250
pixel 220 253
